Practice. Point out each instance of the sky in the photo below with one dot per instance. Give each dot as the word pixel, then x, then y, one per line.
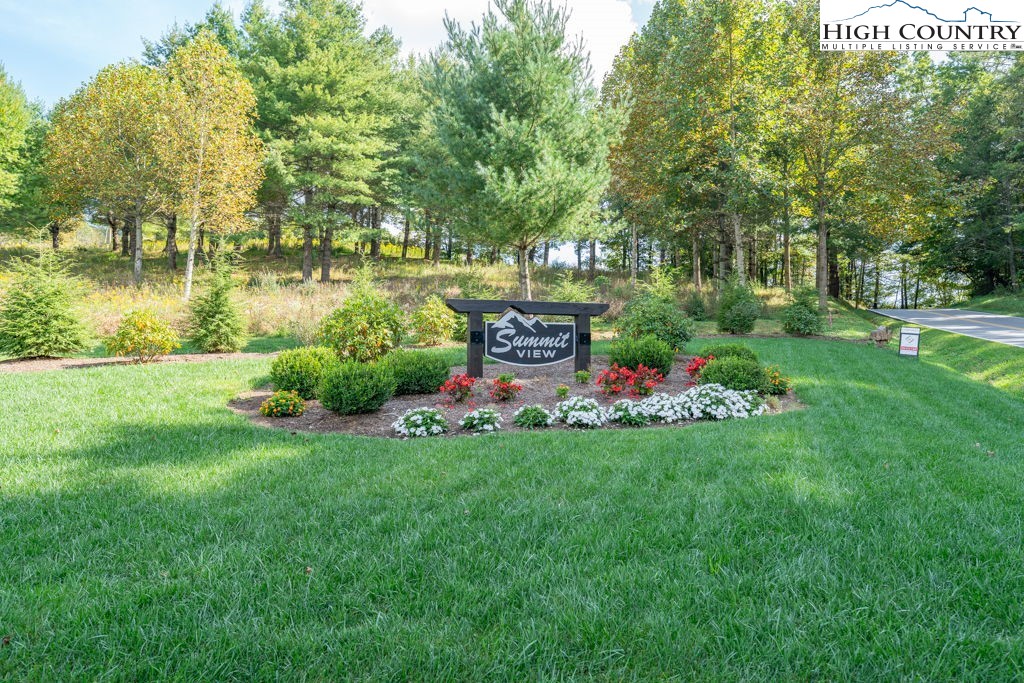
pixel 52 46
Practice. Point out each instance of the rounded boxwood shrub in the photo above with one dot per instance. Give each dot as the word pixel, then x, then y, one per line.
pixel 217 324
pixel 302 370
pixel 738 374
pixel 365 328
pixel 651 315
pixel 37 316
pixel 738 309
pixel 649 351
pixel 353 388
pixel 144 336
pixel 729 351
pixel 417 372
pixel 802 316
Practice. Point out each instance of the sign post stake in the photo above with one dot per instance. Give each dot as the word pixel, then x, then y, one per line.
pixel 582 342
pixel 475 349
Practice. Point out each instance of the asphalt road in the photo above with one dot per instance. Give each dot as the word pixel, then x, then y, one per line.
pixel 1004 329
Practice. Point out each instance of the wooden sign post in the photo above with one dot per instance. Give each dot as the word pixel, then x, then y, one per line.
pixel 521 341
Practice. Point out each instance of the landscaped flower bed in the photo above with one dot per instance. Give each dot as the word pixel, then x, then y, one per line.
pixel 676 400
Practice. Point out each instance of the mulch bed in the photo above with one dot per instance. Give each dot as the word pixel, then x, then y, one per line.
pixel 539 385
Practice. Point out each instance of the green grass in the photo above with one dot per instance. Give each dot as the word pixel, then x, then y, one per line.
pixel 875 535
pixel 1007 304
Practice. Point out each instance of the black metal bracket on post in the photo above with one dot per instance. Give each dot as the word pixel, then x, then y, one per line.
pixel 476 341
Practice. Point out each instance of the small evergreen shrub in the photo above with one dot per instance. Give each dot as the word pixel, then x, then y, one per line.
pixel 36 314
pixel 283 404
pixel 648 351
pixel 366 327
pixel 738 309
pixel 736 374
pixel 302 370
pixel 433 322
pixel 481 421
pixel 568 288
pixel 651 315
pixel 417 372
pixel 217 324
pixel 695 306
pixel 729 351
pixel 143 335
pixel 420 422
pixel 352 388
pixel 533 417
pixel 802 316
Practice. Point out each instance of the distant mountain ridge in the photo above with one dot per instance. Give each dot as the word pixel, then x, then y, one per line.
pixel 901 4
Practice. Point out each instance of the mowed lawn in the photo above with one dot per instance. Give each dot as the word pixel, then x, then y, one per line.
pixel 148 533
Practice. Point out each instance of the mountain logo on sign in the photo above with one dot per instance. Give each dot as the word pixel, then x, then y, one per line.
pixel 972 15
pixel 518 340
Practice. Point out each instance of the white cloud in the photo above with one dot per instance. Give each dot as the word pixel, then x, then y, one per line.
pixel 605 25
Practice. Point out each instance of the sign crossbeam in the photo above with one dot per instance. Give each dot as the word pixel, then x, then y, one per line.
pixel 527 346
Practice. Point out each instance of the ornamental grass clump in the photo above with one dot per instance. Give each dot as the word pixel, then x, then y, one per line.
pixel 533 417
pixel 283 404
pixel 482 421
pixel 420 422
pixel 144 337
pixel 581 413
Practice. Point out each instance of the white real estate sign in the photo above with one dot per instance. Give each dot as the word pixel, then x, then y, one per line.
pixel 910 341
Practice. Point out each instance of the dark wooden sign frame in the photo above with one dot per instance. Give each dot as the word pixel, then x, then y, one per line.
pixel 475 309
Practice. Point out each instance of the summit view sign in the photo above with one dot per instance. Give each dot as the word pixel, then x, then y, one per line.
pixel 518 340
pixel 931 25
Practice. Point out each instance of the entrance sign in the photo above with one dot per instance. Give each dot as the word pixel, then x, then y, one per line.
pixel 518 340
pixel 910 342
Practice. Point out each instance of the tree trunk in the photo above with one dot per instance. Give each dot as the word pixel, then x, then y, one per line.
pixel 326 247
pixel 427 242
pixel 878 286
pixel 1012 260
pixel 547 254
pixel 579 257
pixel 137 246
pixel 737 240
pixel 375 219
pixel 634 255
pixel 592 265
pixel 834 283
pixel 171 246
pixel 307 253
pixel 698 281
pixel 524 275
pixel 274 233
pixel 126 236
pixel 112 222
pixel 821 265
pixel 437 247
pixel 405 238
pixel 55 235
pixel 469 254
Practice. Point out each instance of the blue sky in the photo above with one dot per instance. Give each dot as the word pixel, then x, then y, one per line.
pixel 53 46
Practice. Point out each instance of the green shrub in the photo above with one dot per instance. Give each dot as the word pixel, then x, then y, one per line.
pixel 417 372
pixel 143 335
pixel 217 324
pixel 660 284
pixel 738 308
pixel 695 306
pixel 650 315
pixel 802 316
pixel 729 351
pixel 649 351
pixel 568 288
pixel 366 327
pixel 302 370
pixel 36 315
pixel 433 322
pixel 283 404
pixel 533 417
pixel 738 374
pixel 353 388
